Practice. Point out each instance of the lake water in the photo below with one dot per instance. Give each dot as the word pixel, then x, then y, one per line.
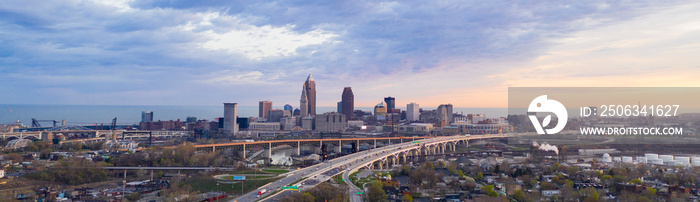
pixel 96 114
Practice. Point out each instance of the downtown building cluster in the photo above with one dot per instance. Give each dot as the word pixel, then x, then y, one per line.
pixel 384 118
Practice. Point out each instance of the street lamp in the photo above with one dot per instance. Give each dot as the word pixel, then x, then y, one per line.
pixel 217 187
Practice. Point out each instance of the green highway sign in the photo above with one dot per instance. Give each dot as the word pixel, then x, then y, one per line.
pixel 289 187
pixel 416 142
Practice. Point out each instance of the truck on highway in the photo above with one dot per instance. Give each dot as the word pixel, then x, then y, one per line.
pixel 261 192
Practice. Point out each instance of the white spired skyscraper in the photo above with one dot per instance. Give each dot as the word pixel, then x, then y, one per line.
pixel 412 112
pixel 230 115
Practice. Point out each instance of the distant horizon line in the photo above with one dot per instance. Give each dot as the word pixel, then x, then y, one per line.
pixel 218 105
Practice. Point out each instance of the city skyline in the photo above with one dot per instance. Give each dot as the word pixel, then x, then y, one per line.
pixel 95 53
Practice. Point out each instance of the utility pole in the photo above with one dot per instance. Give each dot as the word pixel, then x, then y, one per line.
pixel 124 187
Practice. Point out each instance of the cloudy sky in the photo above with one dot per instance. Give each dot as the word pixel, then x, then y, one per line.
pixel 207 52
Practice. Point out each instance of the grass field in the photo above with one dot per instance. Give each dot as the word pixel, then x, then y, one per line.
pixel 338 178
pixel 207 184
pixel 276 171
pixel 247 177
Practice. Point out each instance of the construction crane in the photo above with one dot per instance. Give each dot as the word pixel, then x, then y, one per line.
pixel 35 123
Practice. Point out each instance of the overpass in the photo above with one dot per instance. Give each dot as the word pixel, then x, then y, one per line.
pixel 386 159
pixel 375 158
pixel 334 144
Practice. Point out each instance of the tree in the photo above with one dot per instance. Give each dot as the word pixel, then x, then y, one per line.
pixel 568 183
pixel 45 153
pixel 428 166
pixel 307 197
pixel 15 157
pixel 407 198
pixel 548 186
pixel 650 193
pixel 479 176
pixel 589 194
pixel 376 193
pixel 489 191
pixel 519 195
pixel 636 181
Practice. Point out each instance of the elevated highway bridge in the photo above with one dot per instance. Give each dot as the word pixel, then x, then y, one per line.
pixel 377 158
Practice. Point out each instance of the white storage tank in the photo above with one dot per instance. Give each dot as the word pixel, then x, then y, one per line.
pixel 683 159
pixel 695 161
pixel 679 163
pixel 627 159
pixel 641 159
pixel 606 158
pixel 651 156
pixel 657 162
pixel 666 158
pixel 617 159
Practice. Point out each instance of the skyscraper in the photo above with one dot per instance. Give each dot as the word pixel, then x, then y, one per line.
pixel 348 105
pixel 412 112
pixel 264 109
pixel 310 87
pixel 445 113
pixel 340 107
pixel 230 114
pixel 289 108
pixel 380 110
pixel 275 115
pixel 303 103
pixel 146 116
pixel 390 103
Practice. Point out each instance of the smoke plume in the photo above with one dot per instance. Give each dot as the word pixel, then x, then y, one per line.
pixel 546 147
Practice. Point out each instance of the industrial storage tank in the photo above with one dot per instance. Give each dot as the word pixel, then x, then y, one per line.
pixel 651 156
pixel 627 159
pixel 666 158
pixel 695 161
pixel 683 159
pixel 608 159
pixel 641 159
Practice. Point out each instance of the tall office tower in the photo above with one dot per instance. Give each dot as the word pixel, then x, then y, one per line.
pixel 448 113
pixel 348 101
pixel 264 109
pixel 412 112
pixel 146 116
pixel 275 115
pixel 230 114
pixel 310 87
pixel 380 110
pixel 339 109
pixel 289 108
pixel 442 116
pixel 390 103
pixel 303 104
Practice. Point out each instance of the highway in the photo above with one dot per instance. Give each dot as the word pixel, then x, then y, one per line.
pixel 166 168
pixel 310 176
pixel 383 152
